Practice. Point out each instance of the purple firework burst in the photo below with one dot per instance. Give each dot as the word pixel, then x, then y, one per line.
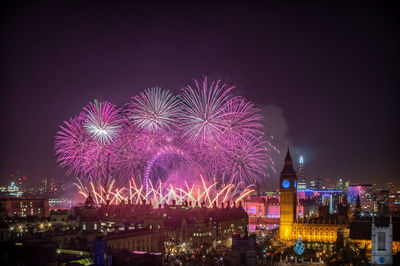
pixel 154 110
pixel 72 145
pixel 219 136
pixel 246 161
pixel 242 119
pixel 203 116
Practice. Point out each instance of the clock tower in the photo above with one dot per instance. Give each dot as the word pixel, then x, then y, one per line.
pixel 288 198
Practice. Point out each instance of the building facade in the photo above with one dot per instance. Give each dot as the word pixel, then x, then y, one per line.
pixel 288 198
pixel 382 244
pixel 23 207
pixel 323 227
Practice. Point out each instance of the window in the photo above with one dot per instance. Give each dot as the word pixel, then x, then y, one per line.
pixel 381 240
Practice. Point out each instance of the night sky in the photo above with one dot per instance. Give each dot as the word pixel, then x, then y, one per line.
pixel 325 76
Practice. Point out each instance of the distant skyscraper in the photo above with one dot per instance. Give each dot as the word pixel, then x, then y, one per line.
pixel 382 199
pixel 340 184
pixel 316 184
pixel 394 199
pixel 302 180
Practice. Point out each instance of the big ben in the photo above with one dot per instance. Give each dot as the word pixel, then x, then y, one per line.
pixel 288 198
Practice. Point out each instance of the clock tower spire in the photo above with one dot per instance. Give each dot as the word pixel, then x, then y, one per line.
pixel 288 198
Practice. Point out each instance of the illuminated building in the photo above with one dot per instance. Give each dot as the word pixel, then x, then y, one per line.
pixel 288 198
pixel 313 198
pixel 11 190
pixel 19 179
pixel 302 184
pixel 366 194
pixel 382 199
pixel 171 229
pixel 322 228
pixel 23 207
pixel 346 185
pixel 340 184
pixel 394 200
pixel 263 211
pixel 49 185
pixel 316 184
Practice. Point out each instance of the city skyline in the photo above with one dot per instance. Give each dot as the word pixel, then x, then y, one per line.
pixel 328 94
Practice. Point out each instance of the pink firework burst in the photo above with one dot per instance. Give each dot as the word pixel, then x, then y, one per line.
pixel 246 161
pixel 102 121
pixel 220 137
pixel 72 145
pixel 154 110
pixel 203 117
pixel 242 119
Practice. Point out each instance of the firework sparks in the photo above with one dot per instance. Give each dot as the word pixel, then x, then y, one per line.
pixel 102 121
pixel 154 110
pixel 242 119
pixel 199 193
pixel 203 113
pixel 72 145
pixel 247 161
pixel 164 139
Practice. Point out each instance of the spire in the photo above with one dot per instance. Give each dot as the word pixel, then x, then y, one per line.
pixel 288 158
pixel 358 201
pixel 301 159
pixel 288 166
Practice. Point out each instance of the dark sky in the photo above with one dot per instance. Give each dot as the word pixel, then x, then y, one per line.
pixel 325 76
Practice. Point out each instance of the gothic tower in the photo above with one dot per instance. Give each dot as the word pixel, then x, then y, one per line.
pixel 381 242
pixel 288 198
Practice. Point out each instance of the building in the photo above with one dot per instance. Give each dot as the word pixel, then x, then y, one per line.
pixel 19 180
pixel 140 227
pixel 340 184
pixel 382 200
pixel 302 184
pixel 381 243
pixel 288 198
pixel 379 236
pixel 366 194
pixel 23 207
pixel 263 212
pixel 316 184
pixel 394 200
pixel 309 200
pixel 322 228
pixel 243 251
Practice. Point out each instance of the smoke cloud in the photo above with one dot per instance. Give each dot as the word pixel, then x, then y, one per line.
pixel 276 131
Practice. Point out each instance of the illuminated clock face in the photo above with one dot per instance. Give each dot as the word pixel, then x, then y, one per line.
pixel 285 183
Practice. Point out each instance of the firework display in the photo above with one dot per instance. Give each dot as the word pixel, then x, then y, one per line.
pixel 195 194
pixel 102 121
pixel 154 110
pixel 203 118
pixel 161 144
